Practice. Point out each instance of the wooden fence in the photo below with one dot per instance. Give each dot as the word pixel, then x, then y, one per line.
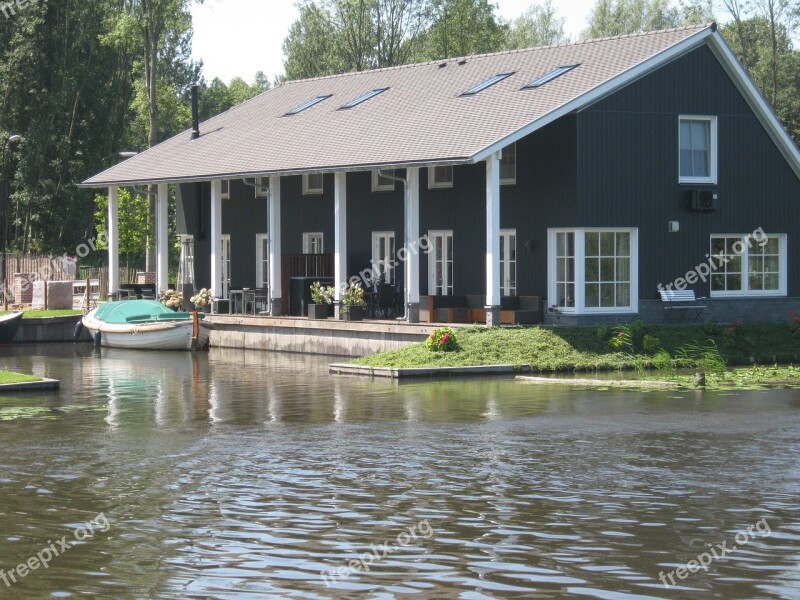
pixel 61 268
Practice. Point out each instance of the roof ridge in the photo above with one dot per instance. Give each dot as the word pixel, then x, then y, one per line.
pixel 439 61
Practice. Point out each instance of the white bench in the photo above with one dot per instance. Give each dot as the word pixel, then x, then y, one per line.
pixel 682 300
pixel 79 293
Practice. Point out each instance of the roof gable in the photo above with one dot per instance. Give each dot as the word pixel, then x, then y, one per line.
pixel 422 117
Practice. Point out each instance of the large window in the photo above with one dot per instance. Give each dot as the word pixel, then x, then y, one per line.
pixel 748 265
pixel 312 184
pixel 262 260
pixel 440 177
pixel 593 270
pixel 383 256
pixel 698 149
pixel 508 165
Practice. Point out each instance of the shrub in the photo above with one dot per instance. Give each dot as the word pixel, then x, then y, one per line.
pixel 794 323
pixel 651 344
pixel 321 294
pixel 442 340
pixel 621 340
pixel 601 332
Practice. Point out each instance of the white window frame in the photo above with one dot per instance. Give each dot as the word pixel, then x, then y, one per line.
pixel 262 187
pixel 433 184
pixel 262 262
pixel 377 186
pixel 380 269
pixel 745 255
pixel 712 151
pixel 313 191
pixel 580 270
pixel 308 241
pixel 509 154
pixel 507 287
pixel 226 264
pixel 447 284
pixel 225 189
pixel 186 257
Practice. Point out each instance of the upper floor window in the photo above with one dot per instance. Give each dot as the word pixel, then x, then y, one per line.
pixel 382 184
pixel 312 184
pixel 262 187
pixel 508 165
pixel 698 149
pixel 226 189
pixel 440 177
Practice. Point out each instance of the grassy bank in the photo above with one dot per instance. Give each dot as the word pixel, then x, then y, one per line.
pixel 608 348
pixel 40 314
pixel 9 377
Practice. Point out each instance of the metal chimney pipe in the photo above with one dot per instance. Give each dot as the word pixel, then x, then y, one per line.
pixel 195 115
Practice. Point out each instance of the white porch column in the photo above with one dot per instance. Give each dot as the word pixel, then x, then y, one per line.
pixel 216 238
pixel 340 235
pixel 275 290
pixel 162 238
pixel 493 239
pixel 113 240
pixel 412 245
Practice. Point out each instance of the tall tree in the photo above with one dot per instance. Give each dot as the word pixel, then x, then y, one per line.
pixel 461 27
pixel 619 17
pixel 538 26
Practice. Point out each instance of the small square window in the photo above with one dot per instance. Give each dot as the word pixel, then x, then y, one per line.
pixel 508 165
pixel 312 184
pixel 226 189
pixel 382 184
pixel 262 187
pixel 440 177
pixel 698 149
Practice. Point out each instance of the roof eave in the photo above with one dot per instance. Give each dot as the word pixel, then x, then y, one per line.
pixel 461 160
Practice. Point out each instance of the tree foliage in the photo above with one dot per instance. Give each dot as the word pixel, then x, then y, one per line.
pixel 538 26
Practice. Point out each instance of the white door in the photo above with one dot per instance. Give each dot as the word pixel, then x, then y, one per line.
pixel 226 265
pixel 383 255
pixel 262 260
pixel 508 262
pixel 440 264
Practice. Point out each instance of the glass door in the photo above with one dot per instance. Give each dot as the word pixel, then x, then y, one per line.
pixel 508 262
pixel 440 264
pixel 226 265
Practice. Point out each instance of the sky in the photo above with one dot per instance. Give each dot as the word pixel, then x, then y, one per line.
pixel 239 37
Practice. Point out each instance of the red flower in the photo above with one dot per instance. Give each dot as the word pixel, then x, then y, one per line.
pixel 731 330
pixel 621 334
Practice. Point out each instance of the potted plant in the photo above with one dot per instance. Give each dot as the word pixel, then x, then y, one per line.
pixel 321 299
pixel 171 299
pixel 201 300
pixel 353 303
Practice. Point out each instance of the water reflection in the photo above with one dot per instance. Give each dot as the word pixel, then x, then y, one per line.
pixel 242 474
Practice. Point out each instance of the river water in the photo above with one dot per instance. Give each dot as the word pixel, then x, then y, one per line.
pixel 239 474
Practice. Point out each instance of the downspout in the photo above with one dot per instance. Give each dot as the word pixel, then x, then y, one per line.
pixel 407 244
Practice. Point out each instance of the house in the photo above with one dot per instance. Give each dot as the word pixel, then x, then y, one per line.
pixel 590 175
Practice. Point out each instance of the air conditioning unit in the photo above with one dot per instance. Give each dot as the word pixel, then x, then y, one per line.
pixel 703 200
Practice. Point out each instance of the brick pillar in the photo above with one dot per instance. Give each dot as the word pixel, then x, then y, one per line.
pixel 23 288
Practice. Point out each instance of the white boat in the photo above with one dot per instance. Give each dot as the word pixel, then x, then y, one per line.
pixel 145 325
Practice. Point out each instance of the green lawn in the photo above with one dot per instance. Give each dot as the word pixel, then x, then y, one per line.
pixel 9 377
pixel 567 349
pixel 40 314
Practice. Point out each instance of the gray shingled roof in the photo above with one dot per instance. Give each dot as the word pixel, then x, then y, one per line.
pixel 420 119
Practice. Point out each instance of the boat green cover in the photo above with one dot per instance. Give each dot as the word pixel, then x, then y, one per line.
pixel 137 311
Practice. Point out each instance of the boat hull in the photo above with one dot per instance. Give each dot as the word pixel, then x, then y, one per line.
pixel 163 335
pixel 8 327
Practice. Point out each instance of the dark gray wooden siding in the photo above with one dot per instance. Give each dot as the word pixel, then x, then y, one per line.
pixel 628 170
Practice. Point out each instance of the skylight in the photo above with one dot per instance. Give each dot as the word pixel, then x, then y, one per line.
pixel 363 98
pixel 549 77
pixel 308 104
pixel 486 84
